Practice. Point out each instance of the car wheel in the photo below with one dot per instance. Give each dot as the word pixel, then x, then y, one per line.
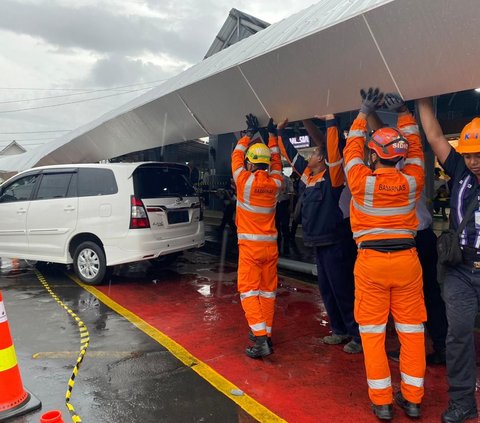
pixel 90 263
pixel 165 260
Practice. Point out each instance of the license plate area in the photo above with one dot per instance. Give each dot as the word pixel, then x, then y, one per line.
pixel 177 216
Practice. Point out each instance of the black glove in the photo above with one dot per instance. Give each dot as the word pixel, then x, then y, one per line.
pixel 272 127
pixel 394 103
pixel 371 100
pixel 252 124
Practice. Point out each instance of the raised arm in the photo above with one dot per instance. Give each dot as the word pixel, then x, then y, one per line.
pixel 374 121
pixel 334 158
pixel 289 152
pixel 314 133
pixel 432 129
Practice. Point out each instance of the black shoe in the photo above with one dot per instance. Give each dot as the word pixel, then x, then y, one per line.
pixel 455 413
pixel 411 409
pixel 260 349
pixel 437 357
pixel 394 355
pixel 383 412
pixel 253 338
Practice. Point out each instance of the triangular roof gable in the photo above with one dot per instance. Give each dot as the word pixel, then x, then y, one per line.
pixel 236 27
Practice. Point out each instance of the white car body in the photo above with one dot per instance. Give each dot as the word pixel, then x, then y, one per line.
pixel 48 211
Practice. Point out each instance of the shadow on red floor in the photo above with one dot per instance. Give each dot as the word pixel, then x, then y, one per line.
pixel 197 305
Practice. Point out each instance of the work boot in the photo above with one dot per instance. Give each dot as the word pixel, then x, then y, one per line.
pixel 455 413
pixel 353 347
pixel 252 338
pixel 260 349
pixel 437 357
pixel 335 339
pixel 411 409
pixel 383 412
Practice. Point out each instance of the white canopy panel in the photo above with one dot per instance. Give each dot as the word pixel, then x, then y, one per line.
pixel 313 62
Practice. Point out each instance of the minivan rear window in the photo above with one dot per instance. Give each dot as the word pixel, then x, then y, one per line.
pixel 155 182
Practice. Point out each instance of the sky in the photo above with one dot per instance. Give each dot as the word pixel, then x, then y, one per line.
pixel 64 63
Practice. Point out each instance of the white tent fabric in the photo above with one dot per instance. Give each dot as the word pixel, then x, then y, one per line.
pixel 313 62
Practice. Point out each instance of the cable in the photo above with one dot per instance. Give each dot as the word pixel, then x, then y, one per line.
pixel 79 89
pixel 70 102
pixel 69 95
pixel 27 139
pixel 35 132
pixel 56 96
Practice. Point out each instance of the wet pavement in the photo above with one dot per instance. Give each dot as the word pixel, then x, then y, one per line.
pixel 167 344
pixel 126 375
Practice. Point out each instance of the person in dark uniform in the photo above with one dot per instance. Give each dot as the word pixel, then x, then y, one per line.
pixel 461 290
pixel 323 228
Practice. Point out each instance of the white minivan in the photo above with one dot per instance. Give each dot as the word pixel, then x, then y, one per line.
pixel 100 215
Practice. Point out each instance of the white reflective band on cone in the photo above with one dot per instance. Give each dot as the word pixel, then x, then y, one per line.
pixel 3 313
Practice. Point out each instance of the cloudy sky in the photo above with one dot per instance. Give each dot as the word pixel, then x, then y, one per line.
pixel 64 63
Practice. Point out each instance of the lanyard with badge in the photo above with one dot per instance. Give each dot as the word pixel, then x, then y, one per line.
pixel 477 215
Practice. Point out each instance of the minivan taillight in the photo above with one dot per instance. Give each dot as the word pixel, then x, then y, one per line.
pixel 138 214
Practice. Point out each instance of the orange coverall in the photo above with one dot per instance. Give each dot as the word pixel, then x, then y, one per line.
pixel 383 208
pixel 257 236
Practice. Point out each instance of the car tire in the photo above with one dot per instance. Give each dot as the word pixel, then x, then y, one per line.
pixel 166 260
pixel 89 263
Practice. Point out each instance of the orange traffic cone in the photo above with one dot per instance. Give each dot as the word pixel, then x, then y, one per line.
pixel 53 416
pixel 14 399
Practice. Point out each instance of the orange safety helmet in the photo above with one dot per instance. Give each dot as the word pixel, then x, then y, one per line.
pixel 259 153
pixel 469 141
pixel 389 144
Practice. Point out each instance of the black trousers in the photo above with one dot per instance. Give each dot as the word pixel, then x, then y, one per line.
pixel 462 298
pixel 282 222
pixel 227 218
pixel 436 324
pixel 335 279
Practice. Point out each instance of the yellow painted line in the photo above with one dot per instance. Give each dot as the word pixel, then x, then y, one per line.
pixel 252 407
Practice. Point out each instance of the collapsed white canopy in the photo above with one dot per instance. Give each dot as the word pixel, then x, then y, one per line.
pixel 313 62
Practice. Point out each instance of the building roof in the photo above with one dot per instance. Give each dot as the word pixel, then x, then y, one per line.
pixel 237 27
pixel 11 149
pixel 313 62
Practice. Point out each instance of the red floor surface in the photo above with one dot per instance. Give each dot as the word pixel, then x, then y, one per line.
pixel 303 381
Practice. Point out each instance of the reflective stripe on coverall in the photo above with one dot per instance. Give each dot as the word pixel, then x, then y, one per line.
pixel 383 207
pixel 257 236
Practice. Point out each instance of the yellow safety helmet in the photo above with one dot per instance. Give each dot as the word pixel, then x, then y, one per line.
pixel 469 141
pixel 259 153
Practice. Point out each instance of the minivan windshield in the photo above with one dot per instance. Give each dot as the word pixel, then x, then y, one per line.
pixel 155 182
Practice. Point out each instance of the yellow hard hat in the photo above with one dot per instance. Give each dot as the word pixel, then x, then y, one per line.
pixel 469 141
pixel 259 153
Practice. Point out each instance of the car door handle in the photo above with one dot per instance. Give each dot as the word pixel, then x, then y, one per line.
pixel 21 211
pixel 69 208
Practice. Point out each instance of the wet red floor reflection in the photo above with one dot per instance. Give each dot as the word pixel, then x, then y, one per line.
pixel 303 381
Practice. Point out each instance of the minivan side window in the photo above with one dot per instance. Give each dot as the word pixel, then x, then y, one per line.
pixel 19 190
pixel 91 181
pixel 53 185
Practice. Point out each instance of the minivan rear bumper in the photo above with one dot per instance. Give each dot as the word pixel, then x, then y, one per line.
pixel 140 245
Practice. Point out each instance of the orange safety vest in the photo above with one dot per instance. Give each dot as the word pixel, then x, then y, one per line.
pixel 256 195
pixel 383 201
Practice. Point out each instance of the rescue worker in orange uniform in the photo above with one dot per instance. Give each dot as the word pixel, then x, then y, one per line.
pixel 257 171
pixel 388 275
